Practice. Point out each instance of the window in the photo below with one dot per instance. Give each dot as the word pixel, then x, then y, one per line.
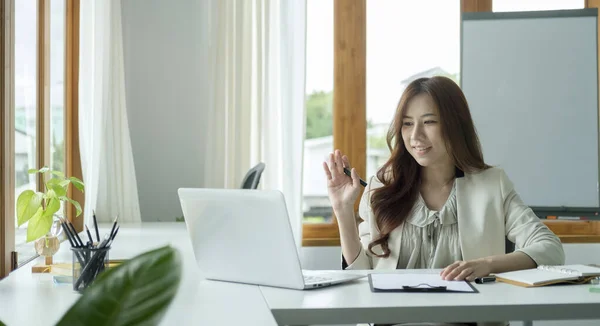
pixel 393 62
pixel 57 85
pixel 318 141
pixel 26 113
pixel 44 88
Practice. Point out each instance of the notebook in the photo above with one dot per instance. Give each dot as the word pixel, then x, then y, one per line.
pixel 547 275
pixel 403 282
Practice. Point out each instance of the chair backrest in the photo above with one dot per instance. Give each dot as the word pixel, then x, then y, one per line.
pixel 252 178
pixel 509 246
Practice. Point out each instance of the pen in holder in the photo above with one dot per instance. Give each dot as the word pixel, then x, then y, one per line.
pixel 91 258
pixel 88 263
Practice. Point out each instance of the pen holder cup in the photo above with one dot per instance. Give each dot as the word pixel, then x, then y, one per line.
pixel 88 263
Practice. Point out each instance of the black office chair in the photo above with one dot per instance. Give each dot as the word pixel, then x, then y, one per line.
pixel 509 246
pixel 252 178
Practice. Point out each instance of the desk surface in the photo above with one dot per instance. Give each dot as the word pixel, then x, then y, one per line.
pixel 33 299
pixel 355 303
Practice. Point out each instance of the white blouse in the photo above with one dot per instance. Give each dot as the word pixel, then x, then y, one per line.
pixel 430 238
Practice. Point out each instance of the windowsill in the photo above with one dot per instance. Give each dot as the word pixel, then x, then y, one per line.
pixel 567 231
pixel 579 238
pixel 321 242
pixel 25 250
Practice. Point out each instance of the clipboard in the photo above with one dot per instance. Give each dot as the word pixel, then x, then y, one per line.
pixel 419 283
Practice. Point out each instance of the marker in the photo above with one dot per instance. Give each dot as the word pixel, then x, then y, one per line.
pixel 485 279
pixel 348 173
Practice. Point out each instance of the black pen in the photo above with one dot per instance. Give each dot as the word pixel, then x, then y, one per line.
pixel 89 235
pixel 68 233
pixel 115 234
pixel 76 237
pixel 485 279
pixel 96 226
pixel 113 227
pixel 348 173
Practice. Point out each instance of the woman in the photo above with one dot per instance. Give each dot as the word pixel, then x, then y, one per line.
pixel 435 203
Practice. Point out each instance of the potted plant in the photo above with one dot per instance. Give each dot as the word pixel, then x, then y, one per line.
pixel 39 208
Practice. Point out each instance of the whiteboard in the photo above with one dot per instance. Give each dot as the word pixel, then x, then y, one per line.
pixel 531 80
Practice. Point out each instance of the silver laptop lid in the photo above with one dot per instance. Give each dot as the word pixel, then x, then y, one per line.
pixel 242 235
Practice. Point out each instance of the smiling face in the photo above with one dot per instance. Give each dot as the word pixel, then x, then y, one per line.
pixel 422 132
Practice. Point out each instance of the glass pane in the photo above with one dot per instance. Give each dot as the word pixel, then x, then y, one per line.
pixel 397 54
pixel 25 109
pixel 57 85
pixel 319 109
pixel 532 5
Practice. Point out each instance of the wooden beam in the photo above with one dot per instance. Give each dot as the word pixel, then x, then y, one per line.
pixel 7 149
pixel 573 227
pixel 476 5
pixel 316 242
pixel 72 153
pixel 349 82
pixel 349 100
pixel 43 90
pixel 575 231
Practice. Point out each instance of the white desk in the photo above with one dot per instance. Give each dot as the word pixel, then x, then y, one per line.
pixel 33 299
pixel 355 303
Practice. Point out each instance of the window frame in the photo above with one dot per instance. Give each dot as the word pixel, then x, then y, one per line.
pixel 349 103
pixel 349 114
pixel 8 257
pixel 7 126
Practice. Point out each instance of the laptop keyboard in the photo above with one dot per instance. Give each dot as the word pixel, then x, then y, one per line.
pixel 316 279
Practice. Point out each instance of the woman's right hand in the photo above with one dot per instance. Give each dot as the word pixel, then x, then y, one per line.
pixel 342 189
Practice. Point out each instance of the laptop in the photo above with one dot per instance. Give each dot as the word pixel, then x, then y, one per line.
pixel 245 236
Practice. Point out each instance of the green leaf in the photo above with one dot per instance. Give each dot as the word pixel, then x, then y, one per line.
pixel 76 204
pixel 38 225
pixel 2 324
pixel 58 173
pixel 137 292
pixel 56 187
pixel 77 183
pixel 27 205
pixel 32 171
pixel 50 194
pixel 52 207
pixel 53 181
pixel 44 169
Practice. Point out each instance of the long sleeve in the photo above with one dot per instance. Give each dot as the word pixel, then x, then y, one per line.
pixel 364 260
pixel 526 230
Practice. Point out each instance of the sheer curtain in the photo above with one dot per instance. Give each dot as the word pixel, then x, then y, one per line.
pixel 106 155
pixel 255 95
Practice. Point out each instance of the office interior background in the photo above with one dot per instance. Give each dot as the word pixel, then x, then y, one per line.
pixel 169 111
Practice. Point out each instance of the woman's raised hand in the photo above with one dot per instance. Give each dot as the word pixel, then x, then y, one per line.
pixel 342 189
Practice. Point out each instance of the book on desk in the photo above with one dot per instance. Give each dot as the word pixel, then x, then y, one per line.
pixel 548 275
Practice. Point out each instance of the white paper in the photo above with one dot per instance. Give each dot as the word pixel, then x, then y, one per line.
pixel 397 281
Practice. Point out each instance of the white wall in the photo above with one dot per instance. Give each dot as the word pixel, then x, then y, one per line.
pixel 164 100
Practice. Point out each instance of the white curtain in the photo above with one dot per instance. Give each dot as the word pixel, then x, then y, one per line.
pixel 256 56
pixel 106 156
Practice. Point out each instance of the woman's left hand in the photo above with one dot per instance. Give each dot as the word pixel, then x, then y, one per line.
pixel 466 270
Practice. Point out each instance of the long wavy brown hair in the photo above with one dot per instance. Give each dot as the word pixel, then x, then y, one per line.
pixel 400 175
